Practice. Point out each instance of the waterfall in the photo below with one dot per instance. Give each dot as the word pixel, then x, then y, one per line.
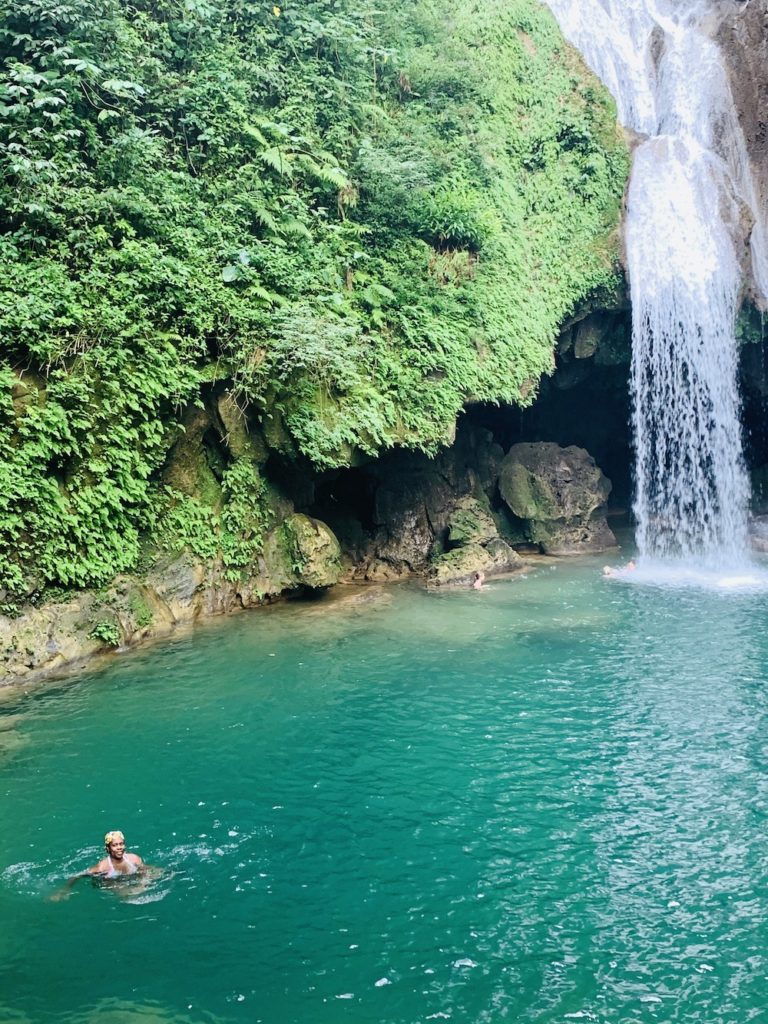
pixel 689 195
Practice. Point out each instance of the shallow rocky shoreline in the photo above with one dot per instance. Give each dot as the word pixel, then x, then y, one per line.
pixel 439 521
pixel 55 641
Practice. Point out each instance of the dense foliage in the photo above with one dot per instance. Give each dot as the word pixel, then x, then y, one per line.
pixel 363 219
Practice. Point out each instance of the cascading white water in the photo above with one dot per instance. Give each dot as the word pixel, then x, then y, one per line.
pixel 689 190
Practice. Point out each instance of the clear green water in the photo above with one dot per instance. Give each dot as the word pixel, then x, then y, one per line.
pixel 542 802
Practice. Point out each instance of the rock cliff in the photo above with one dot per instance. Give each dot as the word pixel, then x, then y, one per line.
pixel 743 35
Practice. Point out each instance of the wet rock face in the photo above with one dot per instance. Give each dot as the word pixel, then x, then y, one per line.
pixel 473 545
pixel 743 36
pixel 301 553
pixel 463 512
pixel 559 494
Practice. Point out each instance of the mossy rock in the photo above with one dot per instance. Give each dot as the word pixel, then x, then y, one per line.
pixel 277 435
pixel 588 335
pixel 542 481
pixel 560 494
pixel 471 521
pixel 460 565
pixel 312 550
pixel 526 496
pixel 239 438
pixel 187 469
pixel 475 545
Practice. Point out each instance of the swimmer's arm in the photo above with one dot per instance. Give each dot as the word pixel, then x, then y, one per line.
pixel 150 871
pixel 65 891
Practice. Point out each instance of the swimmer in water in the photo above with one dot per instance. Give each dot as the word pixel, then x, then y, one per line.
pixel 117 864
pixel 479 581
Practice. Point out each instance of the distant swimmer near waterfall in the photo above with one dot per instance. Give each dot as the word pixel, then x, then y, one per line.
pixel 609 571
pixel 118 863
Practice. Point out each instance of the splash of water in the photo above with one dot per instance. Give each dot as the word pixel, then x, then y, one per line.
pixel 690 195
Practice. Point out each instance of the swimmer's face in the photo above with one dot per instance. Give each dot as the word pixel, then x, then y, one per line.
pixel 117 846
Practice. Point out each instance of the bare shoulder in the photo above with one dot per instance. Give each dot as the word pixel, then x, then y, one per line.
pixel 134 858
pixel 99 869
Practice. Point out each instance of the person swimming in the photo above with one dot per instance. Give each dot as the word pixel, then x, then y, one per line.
pixel 479 581
pixel 609 570
pixel 118 863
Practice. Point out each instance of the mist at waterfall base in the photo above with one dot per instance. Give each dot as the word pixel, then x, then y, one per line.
pixel 540 802
pixel 689 185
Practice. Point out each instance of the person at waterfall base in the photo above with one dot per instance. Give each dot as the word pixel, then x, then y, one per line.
pixel 609 571
pixel 479 581
pixel 117 863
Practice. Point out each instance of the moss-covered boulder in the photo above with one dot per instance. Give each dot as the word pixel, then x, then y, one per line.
pixel 474 545
pixel 313 550
pixel 560 494
pixel 470 521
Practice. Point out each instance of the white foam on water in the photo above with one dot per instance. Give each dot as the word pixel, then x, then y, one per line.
pixel 146 897
pixel 681 575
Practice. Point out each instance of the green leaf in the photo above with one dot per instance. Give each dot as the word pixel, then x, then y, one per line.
pixel 275 158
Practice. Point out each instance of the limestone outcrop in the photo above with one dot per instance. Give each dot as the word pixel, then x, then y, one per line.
pixel 559 495
pixel 433 517
pixel 440 519
pixel 473 544
pixel 465 511
pixel 301 553
pixel 743 36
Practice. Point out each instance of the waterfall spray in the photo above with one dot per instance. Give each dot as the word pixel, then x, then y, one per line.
pixel 689 188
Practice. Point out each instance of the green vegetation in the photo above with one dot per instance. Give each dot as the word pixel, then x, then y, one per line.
pixel 361 219
pixel 108 632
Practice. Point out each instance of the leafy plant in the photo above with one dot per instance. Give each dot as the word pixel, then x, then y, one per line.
pixel 108 632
